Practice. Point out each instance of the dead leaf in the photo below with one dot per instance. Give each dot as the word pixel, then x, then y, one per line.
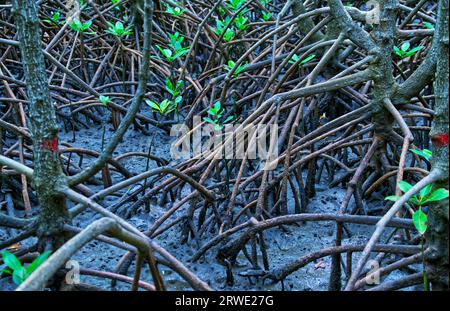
pixel 15 247
pixel 320 265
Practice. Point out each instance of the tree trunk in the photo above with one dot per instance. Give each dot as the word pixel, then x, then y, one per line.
pixel 47 167
pixel 305 25
pixel 437 236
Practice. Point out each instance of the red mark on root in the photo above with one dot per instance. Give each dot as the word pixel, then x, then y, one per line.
pixel 55 144
pixel 440 140
pixel 51 145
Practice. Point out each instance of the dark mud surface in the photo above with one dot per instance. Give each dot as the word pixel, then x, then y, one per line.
pixel 282 246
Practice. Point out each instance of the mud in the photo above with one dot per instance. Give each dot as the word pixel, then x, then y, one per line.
pixel 282 246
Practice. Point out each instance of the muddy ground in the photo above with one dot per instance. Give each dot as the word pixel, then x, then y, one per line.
pixel 283 246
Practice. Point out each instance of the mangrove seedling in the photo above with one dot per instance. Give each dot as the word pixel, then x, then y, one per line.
pixel 425 195
pixel 295 59
pixel 241 22
pixel 228 34
pixel 163 108
pixel 404 51
pixel 105 100
pixel 176 49
pixel 176 41
pixel 216 112
pixel 118 29
pixel 169 55
pixel 174 11
pixel 266 15
pixel 78 26
pixel 419 217
pixel 55 19
pixel 174 89
pixel 428 25
pixel 234 5
pixel 17 270
pixel 230 66
pixel 116 7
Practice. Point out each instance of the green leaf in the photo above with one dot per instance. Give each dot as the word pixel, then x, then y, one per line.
pixel 229 35
pixel 209 120
pixel 228 119
pixel 420 221
pixel 307 59
pixel 425 153
pixel 405 46
pixel 181 52
pixel 404 186
pixel 393 198
pixel 38 261
pixel 241 21
pixel 425 191
pixel 178 100
pixel 169 86
pixel 119 26
pixel 19 275
pixel 437 195
pixel 428 152
pixel 240 69
pixel 413 51
pixel 398 51
pixel 164 105
pixel 152 104
pixel 86 25
pixel 266 15
pixel 128 30
pixel 6 271
pixel 174 11
pixel 104 99
pixel 414 200
pixel 217 106
pixel 294 59
pixel 11 260
pixel 77 23
pixel 219 27
pixel 428 25
pixel 166 52
pixel 74 25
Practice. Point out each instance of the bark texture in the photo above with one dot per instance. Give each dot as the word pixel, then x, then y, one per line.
pixel 47 168
pixel 437 262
